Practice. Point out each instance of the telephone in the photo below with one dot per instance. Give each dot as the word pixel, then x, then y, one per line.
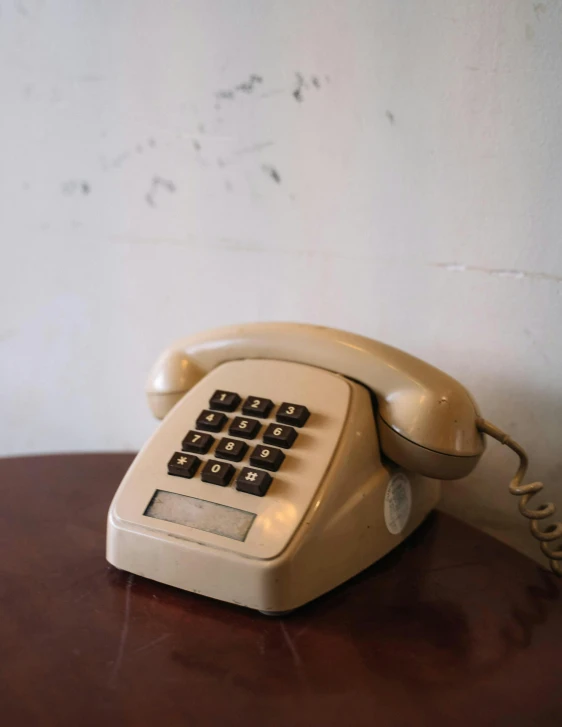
pixel 290 458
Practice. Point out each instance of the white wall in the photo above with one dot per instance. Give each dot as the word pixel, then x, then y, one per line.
pixel 410 192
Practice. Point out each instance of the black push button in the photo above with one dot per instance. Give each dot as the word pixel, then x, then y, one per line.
pixel 232 449
pixel 245 428
pixel 254 482
pixel 224 400
pixel 268 458
pixel 183 465
pixel 280 435
pixel 210 421
pixel 197 442
pixel 217 473
pixel 294 414
pixel 254 406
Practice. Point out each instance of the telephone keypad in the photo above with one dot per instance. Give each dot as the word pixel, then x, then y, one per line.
pixel 294 414
pixel 224 400
pixel 253 481
pixel 280 435
pixel 244 427
pixel 183 465
pixel 217 473
pixel 197 442
pixel 210 421
pixel 268 458
pixel 232 449
pixel 257 407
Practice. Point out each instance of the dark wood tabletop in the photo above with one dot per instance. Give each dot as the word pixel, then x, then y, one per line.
pixel 452 628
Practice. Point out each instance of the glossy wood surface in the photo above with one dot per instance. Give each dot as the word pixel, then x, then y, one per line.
pixel 453 628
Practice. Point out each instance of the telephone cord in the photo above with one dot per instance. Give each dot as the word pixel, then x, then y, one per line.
pixel 526 493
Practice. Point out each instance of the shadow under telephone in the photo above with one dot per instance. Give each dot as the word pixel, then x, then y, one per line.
pixel 264 485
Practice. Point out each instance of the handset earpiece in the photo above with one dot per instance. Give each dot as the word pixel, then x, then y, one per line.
pixel 172 376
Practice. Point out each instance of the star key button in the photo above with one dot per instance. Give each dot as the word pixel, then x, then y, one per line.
pixel 183 465
pixel 253 482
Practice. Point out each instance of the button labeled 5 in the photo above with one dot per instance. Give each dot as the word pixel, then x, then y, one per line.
pixel 243 427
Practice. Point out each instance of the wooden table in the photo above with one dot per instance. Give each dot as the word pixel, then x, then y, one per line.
pixel 453 628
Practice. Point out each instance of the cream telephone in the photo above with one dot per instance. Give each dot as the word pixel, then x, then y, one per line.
pixel 264 485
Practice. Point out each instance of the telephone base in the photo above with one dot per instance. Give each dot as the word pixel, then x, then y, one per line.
pixel 332 509
pixel 318 560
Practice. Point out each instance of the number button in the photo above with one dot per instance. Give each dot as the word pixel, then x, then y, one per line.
pixel 232 449
pixel 268 458
pixel 197 442
pixel 280 435
pixel 210 421
pixel 245 428
pixel 254 482
pixel 294 414
pixel 217 473
pixel 183 465
pixel 224 400
pixel 254 406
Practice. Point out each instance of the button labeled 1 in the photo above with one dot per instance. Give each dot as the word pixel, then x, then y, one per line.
pixel 224 400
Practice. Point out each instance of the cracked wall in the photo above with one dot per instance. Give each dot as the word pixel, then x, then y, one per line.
pixel 389 168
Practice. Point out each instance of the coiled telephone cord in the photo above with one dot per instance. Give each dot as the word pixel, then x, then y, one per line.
pixel 526 493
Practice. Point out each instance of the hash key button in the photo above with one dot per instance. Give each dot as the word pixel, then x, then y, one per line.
pixel 294 414
pixel 183 465
pixel 243 427
pixel 254 406
pixel 280 435
pixel 224 400
pixel 217 473
pixel 254 482
pixel 210 421
pixel 267 458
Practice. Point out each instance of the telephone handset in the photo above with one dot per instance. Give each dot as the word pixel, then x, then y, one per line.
pixel 264 484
